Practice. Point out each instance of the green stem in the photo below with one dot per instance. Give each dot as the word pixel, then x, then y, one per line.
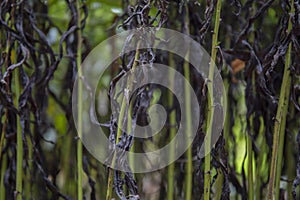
pixel 19 186
pixel 19 159
pixel 109 184
pixel 189 167
pixel 188 111
pixel 79 144
pixel 119 131
pixel 172 118
pixel 207 175
pixel 280 124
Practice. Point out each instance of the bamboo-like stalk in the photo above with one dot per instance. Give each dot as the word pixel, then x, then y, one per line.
pixel 119 131
pixel 79 109
pixel 172 131
pixel 19 174
pixel 187 115
pixel 189 166
pixel 207 175
pixel 280 124
pixel 283 123
pixel 109 184
pixel 19 159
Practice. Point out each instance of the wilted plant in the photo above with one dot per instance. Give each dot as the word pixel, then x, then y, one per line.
pixel 255 46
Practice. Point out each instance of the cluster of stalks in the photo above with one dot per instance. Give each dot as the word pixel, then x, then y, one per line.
pixel 255 46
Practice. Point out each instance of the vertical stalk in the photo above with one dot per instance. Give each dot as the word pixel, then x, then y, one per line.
pixel 189 167
pixel 19 159
pixel 186 71
pixel 280 124
pixel 207 175
pixel 119 131
pixel 283 124
pixel 19 186
pixel 172 131
pixel 79 73
pixel 109 184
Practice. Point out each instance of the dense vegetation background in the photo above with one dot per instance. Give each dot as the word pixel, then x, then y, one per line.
pixel 256 47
